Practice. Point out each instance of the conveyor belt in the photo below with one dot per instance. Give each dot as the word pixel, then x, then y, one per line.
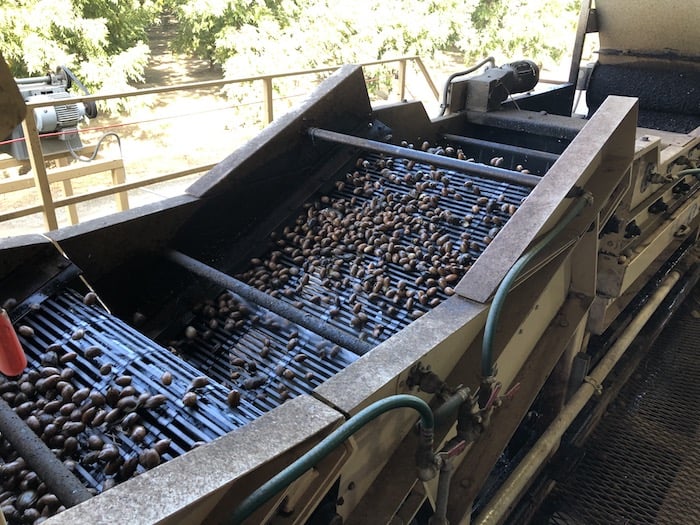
pixel 381 249
pixel 266 357
pixel 668 100
pixel 640 465
pixel 64 324
pixel 388 220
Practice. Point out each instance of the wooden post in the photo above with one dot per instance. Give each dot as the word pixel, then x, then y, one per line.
pixel 119 177
pixel 267 99
pixel 68 191
pixel 36 160
pixel 429 80
pixel 402 79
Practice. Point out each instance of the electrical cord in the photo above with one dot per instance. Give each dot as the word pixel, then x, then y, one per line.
pixel 97 148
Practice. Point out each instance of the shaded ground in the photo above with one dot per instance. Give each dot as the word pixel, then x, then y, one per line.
pixel 167 68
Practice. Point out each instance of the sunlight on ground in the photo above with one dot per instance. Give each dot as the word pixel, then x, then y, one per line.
pixel 173 131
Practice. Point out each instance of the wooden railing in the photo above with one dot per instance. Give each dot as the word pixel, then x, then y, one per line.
pixel 41 178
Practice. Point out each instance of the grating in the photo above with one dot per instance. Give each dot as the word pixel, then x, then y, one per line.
pixel 330 266
pixel 337 281
pixel 66 321
pixel 341 275
pixel 640 465
pixel 266 357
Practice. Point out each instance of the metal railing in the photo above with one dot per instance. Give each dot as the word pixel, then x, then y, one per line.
pixel 41 178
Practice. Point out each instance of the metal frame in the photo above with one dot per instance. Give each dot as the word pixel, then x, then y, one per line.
pixel 544 318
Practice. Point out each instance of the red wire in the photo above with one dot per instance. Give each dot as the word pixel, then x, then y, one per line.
pixel 145 121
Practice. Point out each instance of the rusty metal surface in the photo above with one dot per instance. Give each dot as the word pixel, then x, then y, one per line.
pixel 640 464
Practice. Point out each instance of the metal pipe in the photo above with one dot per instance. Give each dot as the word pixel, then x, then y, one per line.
pixel 254 295
pixel 480 170
pixel 39 458
pixel 508 148
pixel 33 80
pixel 447 469
pixel 509 493
pixel 451 405
pixel 448 82
pixel 327 445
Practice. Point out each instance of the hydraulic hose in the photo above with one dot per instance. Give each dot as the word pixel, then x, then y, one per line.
pixel 500 296
pixel 291 473
pixel 690 171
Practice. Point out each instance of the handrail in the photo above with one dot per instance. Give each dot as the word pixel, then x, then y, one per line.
pixel 239 80
pixel 41 179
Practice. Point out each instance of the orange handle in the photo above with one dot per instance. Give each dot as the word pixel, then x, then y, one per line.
pixel 12 358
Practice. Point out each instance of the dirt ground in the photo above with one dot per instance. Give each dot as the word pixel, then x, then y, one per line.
pixel 178 130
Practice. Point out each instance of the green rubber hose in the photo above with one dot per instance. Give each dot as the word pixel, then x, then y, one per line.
pixel 287 476
pixel 500 296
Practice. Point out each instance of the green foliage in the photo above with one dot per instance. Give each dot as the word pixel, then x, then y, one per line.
pixel 102 41
pixel 252 36
pixel 200 21
pixel 126 20
pixel 542 30
pixel 249 37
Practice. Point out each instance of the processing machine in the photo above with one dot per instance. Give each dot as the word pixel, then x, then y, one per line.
pixel 363 315
pixel 57 125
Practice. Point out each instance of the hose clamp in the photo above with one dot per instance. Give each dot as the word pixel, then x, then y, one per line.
pixel 597 386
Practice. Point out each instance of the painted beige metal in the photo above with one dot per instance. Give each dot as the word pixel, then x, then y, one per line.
pixel 517 351
pixel 625 263
pixel 649 27
pixel 653 175
pixel 537 324
pixel 615 277
pixel 211 480
pixel 606 140
pixel 657 151
pixel 566 332
pixel 438 339
pixel 503 501
pixel 605 309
